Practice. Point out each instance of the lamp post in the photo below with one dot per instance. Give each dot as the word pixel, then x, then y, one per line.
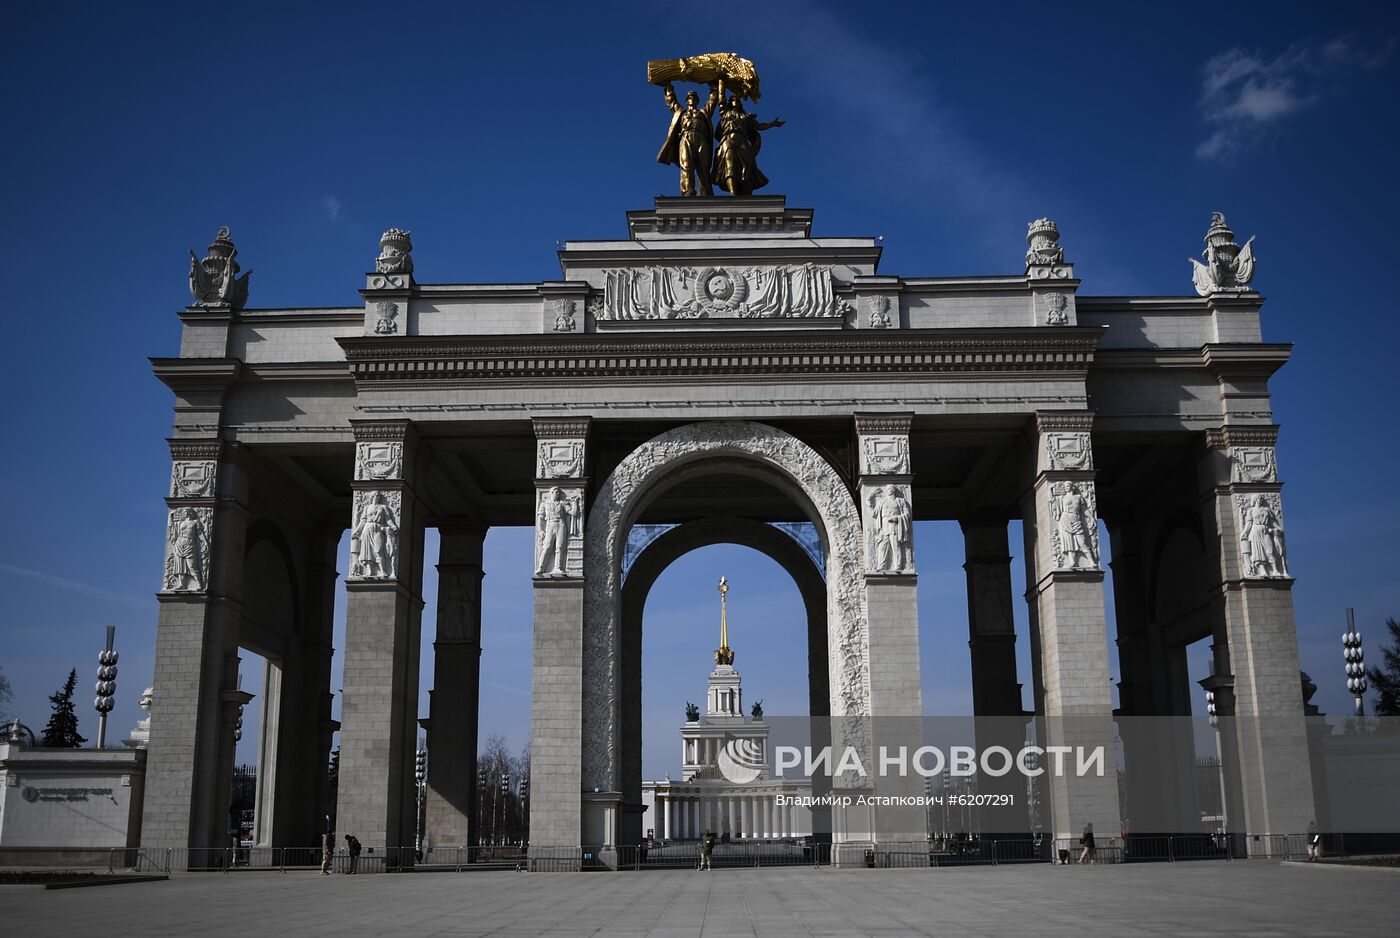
pixel 481 793
pixel 524 807
pixel 106 686
pixel 420 778
pixel 505 791
pixel 1213 717
pixel 1355 658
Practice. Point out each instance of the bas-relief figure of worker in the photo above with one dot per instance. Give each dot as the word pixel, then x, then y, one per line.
pixel 1075 526
pixel 893 532
pixel 191 543
pixel 560 518
pixel 373 539
pixel 1262 538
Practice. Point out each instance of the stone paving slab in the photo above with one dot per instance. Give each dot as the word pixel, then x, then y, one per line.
pixel 1240 899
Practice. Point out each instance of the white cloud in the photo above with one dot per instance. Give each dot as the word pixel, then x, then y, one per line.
pixel 332 205
pixel 908 127
pixel 70 586
pixel 1244 95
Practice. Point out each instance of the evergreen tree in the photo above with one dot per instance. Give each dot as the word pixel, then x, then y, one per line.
pixel 1385 681
pixel 62 731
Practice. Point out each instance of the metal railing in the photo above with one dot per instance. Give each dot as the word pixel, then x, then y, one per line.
pixel 735 854
pixel 1138 848
pixel 240 859
pixel 971 852
pixel 466 859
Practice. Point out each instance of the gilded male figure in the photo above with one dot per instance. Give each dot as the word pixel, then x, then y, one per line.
pixel 736 160
pixel 690 139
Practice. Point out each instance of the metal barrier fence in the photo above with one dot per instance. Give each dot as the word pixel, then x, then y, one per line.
pixel 467 859
pixel 1160 848
pixel 239 859
pixel 971 852
pixel 1068 850
pixel 1137 848
pixel 736 854
pixel 555 859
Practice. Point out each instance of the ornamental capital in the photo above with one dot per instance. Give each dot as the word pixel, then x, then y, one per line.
pixel 884 423
pixel 1049 420
pixel 1226 437
pixel 547 428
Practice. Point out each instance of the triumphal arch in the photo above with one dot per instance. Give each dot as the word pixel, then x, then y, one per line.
pixel 718 372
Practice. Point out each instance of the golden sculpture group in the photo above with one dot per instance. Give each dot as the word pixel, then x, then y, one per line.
pixel 725 156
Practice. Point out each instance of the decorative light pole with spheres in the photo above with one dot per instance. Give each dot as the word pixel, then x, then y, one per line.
pixel 1355 657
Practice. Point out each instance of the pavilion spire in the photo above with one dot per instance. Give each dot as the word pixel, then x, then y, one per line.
pixel 723 654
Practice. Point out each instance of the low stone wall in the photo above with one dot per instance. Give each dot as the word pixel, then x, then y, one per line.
pixel 70 799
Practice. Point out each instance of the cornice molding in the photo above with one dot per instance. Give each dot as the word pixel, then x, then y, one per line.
pixel 195 449
pixel 884 423
pixel 562 428
pixel 575 358
pixel 380 431
pixel 1228 436
pixel 197 374
pixel 1059 420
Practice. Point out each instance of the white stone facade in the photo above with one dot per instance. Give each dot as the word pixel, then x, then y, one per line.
pixel 718 355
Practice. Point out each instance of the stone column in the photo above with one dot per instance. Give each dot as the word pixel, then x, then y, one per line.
pixel 891 582
pixel 1060 518
pixel 1159 755
pixel 453 705
pixel 992 628
pixel 886 504
pixel 556 722
pixel 379 711
pixel 1256 677
pixel 296 706
pixel 190 756
pixel 996 694
pixel 317 695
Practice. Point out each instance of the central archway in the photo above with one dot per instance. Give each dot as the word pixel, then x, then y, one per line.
pixel 742 447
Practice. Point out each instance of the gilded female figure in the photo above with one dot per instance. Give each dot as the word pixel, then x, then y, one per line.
pixel 736 160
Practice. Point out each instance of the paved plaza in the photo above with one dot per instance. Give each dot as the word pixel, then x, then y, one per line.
pixel 1254 898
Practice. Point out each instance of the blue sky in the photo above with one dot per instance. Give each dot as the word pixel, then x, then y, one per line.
pixel 135 130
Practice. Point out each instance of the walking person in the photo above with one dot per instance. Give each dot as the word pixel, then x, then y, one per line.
pixel 352 843
pixel 1089 854
pixel 327 847
pixel 1314 842
pixel 707 847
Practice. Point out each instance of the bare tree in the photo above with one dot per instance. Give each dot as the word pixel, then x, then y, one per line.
pixel 501 813
pixel 6 695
